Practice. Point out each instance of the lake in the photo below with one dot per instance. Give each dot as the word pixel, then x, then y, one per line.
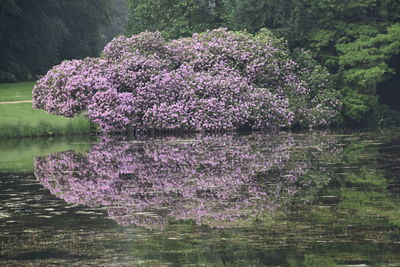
pixel 262 199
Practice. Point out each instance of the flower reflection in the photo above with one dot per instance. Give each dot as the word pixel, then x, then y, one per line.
pixel 214 180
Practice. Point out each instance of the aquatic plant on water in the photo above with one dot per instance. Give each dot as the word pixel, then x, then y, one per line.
pixel 216 80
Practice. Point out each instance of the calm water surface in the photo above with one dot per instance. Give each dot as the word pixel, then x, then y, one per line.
pixel 312 199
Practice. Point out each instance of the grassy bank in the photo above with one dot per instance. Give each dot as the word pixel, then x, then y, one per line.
pixel 20 120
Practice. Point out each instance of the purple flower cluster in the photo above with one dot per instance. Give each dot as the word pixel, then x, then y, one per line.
pixel 68 88
pixel 217 80
pixel 209 179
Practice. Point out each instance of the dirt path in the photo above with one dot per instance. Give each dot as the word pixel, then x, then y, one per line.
pixel 16 102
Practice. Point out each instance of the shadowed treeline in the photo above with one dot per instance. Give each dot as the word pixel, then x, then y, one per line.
pixel 35 35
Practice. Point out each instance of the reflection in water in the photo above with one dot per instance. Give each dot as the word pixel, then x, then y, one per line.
pixel 212 180
pixel 208 200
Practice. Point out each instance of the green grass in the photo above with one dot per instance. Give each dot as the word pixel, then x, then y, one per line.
pixel 19 154
pixel 16 91
pixel 20 120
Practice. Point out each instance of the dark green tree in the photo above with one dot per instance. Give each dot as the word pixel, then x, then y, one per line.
pixel 175 18
pixel 359 42
pixel 34 35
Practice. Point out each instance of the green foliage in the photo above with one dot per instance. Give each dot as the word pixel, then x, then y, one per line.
pixel 356 106
pixel 175 18
pixel 365 60
pixel 357 40
pixel 35 35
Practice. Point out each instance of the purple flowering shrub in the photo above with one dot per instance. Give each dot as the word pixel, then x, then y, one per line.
pixel 209 179
pixel 111 109
pixel 68 88
pixel 216 80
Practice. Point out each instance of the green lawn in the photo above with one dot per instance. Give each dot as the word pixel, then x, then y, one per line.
pixel 16 91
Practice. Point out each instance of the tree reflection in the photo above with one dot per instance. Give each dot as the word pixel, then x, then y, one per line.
pixel 210 179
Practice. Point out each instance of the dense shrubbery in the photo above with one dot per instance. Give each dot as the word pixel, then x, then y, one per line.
pixel 217 80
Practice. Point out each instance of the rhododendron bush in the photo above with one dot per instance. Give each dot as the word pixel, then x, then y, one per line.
pixel 217 80
pixel 209 179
